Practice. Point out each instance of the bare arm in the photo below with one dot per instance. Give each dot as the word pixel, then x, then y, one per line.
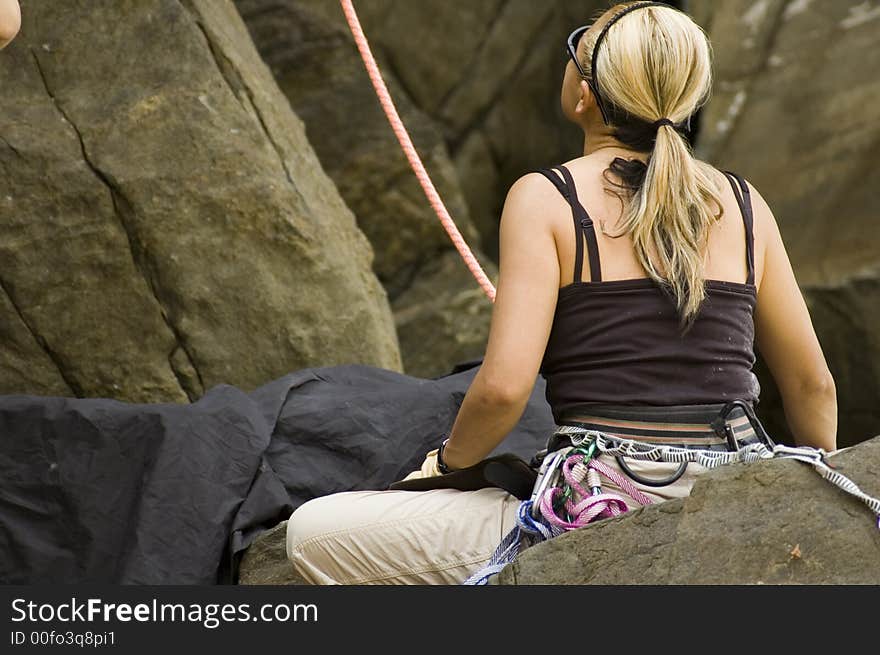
pixel 787 341
pixel 10 21
pixel 528 284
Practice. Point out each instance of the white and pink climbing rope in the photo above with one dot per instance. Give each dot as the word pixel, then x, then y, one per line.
pixel 409 150
pixel 585 506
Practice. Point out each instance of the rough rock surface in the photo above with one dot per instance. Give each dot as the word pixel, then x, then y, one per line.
pixel 166 225
pixel 794 110
pixel 469 101
pixel 772 522
pixel 443 316
pixel 309 48
pixel 489 73
pixel 265 561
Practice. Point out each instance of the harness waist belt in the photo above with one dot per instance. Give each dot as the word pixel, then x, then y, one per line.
pixel 722 426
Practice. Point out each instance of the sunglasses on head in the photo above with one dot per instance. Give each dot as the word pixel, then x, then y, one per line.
pixel 571 49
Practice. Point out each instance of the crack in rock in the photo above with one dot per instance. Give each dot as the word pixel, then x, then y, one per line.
pixel 120 208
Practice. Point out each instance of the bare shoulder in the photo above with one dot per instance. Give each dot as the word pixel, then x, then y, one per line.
pixel 532 193
pixel 530 183
pixel 764 228
pixel 534 208
pixel 528 199
pixel 763 214
pixel 768 240
pixel 760 208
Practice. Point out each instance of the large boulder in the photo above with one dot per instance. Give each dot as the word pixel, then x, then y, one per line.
pixel 794 110
pixel 465 77
pixel 309 48
pixel 166 225
pixel 771 522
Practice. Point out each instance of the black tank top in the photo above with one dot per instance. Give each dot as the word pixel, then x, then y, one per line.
pixel 619 342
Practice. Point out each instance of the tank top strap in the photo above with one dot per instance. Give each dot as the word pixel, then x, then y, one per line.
pixel 744 200
pixel 553 177
pixel 583 223
pixel 578 244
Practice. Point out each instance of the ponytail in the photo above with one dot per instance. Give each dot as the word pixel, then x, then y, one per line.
pixel 654 70
pixel 669 218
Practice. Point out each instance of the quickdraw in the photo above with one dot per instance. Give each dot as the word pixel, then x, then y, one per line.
pixel 581 505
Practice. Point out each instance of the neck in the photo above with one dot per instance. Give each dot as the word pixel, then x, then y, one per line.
pixel 598 138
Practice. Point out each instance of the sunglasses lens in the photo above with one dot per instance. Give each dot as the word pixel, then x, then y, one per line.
pixel 573 41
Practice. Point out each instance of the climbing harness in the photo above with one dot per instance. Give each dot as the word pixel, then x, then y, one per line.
pixel 559 485
pixel 409 150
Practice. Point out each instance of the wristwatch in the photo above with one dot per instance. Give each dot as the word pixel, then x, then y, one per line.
pixel 441 465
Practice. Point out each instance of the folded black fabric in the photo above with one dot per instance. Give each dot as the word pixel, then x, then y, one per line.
pixel 97 490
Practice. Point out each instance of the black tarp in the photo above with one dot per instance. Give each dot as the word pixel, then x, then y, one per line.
pixel 97 490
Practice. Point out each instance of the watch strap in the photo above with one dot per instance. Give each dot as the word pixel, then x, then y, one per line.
pixel 441 465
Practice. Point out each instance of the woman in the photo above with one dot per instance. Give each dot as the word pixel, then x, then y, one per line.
pixel 635 279
pixel 10 21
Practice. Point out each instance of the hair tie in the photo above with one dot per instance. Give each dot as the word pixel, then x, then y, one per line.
pixel 663 121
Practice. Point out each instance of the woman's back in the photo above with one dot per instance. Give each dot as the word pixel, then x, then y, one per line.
pixel 616 335
pixel 726 253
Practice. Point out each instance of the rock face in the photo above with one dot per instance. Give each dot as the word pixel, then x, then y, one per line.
pixel 309 48
pixel 794 110
pixel 443 316
pixel 489 73
pixel 166 225
pixel 773 522
pixel 482 110
pixel 316 64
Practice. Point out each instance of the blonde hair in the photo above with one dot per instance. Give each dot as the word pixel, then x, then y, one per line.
pixel 655 63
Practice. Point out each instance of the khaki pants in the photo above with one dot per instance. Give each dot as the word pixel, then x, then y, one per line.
pixel 440 536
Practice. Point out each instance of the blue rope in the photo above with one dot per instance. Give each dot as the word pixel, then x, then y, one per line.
pixel 527 530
